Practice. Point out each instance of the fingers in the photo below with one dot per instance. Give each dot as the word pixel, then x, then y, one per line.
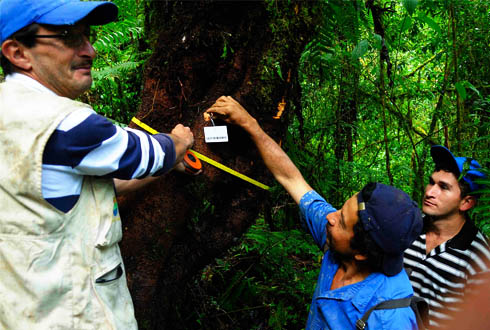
pixel 222 107
pixel 184 133
pixel 193 174
pixel 229 110
pixel 220 111
pixel 223 101
pixel 180 129
pixel 180 167
pixel 223 98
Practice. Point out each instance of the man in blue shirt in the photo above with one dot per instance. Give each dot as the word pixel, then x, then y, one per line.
pixel 364 240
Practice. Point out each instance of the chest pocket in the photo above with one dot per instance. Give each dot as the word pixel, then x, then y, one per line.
pixel 109 228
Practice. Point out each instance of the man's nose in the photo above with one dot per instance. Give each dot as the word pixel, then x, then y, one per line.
pixel 87 49
pixel 431 190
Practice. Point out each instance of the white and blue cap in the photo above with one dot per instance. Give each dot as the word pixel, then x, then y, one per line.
pixel 17 14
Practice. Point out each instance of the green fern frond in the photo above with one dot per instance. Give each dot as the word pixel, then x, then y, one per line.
pixel 113 36
pixel 116 70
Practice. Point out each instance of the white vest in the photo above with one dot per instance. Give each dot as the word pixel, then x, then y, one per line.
pixel 50 260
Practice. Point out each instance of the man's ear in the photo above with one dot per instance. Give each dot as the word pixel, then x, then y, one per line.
pixel 15 53
pixel 467 203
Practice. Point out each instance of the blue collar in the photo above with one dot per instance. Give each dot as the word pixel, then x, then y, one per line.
pixel 360 293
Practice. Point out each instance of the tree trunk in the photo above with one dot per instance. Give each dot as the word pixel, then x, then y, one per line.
pixel 384 56
pixel 459 103
pixel 180 223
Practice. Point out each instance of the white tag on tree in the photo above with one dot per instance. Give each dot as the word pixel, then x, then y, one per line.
pixel 215 134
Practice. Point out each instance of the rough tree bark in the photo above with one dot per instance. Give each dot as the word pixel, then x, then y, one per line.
pixel 203 50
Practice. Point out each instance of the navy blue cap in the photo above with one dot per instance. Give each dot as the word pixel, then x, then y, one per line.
pixel 393 220
pixel 17 14
pixel 457 165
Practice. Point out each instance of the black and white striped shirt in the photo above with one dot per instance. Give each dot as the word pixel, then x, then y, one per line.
pixel 442 277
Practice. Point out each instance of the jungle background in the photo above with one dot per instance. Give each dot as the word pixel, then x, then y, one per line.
pixel 355 91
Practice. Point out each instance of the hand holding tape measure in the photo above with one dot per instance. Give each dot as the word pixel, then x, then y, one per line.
pixel 192 158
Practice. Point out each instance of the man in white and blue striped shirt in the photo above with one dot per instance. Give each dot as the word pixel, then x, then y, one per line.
pixel 451 252
pixel 85 143
pixel 61 267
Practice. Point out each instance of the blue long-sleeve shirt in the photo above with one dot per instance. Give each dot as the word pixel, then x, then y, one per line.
pixel 342 307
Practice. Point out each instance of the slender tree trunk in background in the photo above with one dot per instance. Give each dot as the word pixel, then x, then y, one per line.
pixel 383 113
pixel 459 104
pixel 346 111
pixel 384 57
pixel 419 186
pixel 353 116
pixel 180 224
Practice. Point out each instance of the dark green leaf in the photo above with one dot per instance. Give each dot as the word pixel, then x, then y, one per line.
pixel 410 5
pixel 378 41
pixel 461 89
pixel 430 22
pixel 473 88
pixel 360 49
pixel 406 24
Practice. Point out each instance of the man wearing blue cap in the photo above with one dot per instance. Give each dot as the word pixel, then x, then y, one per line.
pixel 364 240
pixel 60 264
pixel 445 258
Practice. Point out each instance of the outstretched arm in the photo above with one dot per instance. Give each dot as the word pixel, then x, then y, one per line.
pixel 182 139
pixel 278 162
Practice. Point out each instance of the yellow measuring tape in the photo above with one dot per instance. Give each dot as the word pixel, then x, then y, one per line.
pixel 206 159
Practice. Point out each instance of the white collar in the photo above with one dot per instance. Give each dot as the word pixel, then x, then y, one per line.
pixel 28 82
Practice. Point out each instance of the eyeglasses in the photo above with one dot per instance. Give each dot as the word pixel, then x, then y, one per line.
pixel 71 38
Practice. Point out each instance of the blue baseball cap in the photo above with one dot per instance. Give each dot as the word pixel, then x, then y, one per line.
pixel 17 14
pixel 393 220
pixel 469 167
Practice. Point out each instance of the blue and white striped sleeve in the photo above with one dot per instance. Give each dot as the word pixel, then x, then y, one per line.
pixel 88 144
pixel 314 210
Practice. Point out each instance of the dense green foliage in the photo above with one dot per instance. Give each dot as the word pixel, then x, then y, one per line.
pixel 362 122
pixel 265 282
pixel 121 54
pixel 420 101
pixel 382 81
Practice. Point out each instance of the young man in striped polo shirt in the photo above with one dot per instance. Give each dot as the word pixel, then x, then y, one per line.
pixel 445 258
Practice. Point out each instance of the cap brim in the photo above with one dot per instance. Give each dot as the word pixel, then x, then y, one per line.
pixel 95 12
pixel 392 265
pixel 442 155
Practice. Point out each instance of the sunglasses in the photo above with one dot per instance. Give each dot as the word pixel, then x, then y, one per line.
pixel 70 37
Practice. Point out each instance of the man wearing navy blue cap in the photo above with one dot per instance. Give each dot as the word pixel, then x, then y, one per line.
pixel 444 260
pixel 60 264
pixel 364 240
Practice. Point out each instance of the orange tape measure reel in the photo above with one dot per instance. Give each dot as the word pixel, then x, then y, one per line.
pixel 192 164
